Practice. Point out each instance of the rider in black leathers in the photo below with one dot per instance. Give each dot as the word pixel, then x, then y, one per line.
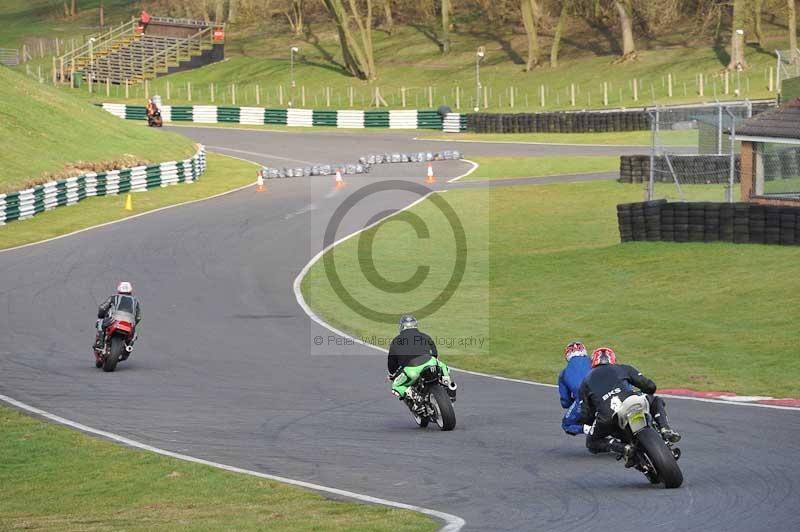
pixel 607 385
pixel 123 300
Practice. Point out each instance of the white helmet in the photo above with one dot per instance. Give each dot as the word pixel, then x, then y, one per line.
pixel 408 321
pixel 125 288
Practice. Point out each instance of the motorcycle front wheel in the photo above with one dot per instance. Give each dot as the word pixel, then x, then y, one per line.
pixel 117 346
pixel 443 408
pixel 661 457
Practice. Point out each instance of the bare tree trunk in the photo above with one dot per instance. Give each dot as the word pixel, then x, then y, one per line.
pixel 66 8
pixel 793 31
pixel 562 19
pixel 529 10
pixel 446 7
pixel 738 23
pixel 625 11
pixel 219 11
pixel 757 6
pixel 102 15
pixel 358 59
pixel 387 16
pixel 232 8
pixel 74 10
pixel 295 16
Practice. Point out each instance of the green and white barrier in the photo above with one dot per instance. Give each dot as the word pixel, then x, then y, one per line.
pixel 346 119
pixel 29 202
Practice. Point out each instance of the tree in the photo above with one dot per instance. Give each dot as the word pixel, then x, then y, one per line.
pixel 556 47
pixel 295 16
pixel 232 10
pixel 738 22
pixel 529 12
pixel 445 26
pixel 757 5
pixel 795 55
pixel 388 19
pixel 625 12
pixel 74 10
pixel 358 57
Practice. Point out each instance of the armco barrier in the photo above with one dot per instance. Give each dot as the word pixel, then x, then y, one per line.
pixel 740 223
pixel 27 203
pixel 210 114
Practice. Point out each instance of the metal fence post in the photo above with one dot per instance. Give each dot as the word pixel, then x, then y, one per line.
pixel 732 170
pixel 654 132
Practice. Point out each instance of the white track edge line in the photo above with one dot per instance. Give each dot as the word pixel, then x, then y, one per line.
pixel 298 294
pixel 153 211
pixel 474 167
pixel 453 523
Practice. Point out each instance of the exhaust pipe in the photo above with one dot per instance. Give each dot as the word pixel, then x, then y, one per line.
pixel 452 386
pixel 129 348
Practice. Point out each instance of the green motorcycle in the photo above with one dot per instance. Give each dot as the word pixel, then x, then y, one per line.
pixel 431 397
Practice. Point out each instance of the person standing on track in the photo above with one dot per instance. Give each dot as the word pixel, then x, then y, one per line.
pixel 569 383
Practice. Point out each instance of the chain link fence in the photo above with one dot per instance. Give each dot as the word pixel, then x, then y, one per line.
pixel 776 169
pixel 695 146
pixel 788 66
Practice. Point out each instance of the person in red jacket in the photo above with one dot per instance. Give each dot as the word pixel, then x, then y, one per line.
pixel 144 19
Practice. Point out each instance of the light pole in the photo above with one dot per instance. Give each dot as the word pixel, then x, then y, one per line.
pixel 478 56
pixel 293 50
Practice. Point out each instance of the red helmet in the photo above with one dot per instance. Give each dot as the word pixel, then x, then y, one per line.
pixel 574 349
pixel 603 355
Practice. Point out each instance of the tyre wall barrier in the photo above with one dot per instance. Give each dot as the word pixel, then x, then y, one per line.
pixel 210 114
pixel 740 223
pixel 581 121
pixel 363 165
pixel 691 169
pixel 29 202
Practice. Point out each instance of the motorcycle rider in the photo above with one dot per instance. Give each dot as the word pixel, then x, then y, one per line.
pixel 410 352
pixel 122 301
pixel 602 392
pixel 569 382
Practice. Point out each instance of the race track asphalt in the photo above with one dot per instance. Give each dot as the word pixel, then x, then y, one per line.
pixel 226 369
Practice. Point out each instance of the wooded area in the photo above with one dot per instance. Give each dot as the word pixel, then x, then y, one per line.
pixel 732 24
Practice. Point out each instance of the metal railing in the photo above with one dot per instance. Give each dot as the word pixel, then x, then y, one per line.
pixel 184 22
pixel 103 42
pixel 9 56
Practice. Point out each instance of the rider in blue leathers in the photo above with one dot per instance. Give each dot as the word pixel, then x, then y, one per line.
pixel 569 383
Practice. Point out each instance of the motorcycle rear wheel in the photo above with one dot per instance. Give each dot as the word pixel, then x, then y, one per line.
pixel 117 346
pixel 443 407
pixel 661 457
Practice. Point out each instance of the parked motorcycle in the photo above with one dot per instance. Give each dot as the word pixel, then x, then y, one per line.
pixel 652 454
pixel 118 342
pixel 431 398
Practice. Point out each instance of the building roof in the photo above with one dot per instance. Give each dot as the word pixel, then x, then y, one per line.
pixel 783 122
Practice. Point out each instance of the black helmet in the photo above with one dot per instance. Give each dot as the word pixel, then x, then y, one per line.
pixel 408 321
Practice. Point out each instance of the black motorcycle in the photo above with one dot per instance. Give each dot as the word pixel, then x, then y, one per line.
pixel 431 398
pixel 154 119
pixel 653 455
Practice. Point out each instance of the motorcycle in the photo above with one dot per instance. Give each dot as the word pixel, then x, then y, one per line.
pixel 154 119
pixel 118 341
pixel 652 454
pixel 431 398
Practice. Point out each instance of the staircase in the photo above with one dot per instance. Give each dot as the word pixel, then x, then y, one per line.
pixel 124 55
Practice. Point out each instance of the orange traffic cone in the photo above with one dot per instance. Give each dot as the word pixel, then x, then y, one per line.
pixel 430 179
pixel 260 182
pixel 339 180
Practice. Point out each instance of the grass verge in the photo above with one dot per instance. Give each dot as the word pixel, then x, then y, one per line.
pixel 544 266
pixel 53 478
pixel 626 138
pixel 512 167
pixel 223 173
pixel 46 134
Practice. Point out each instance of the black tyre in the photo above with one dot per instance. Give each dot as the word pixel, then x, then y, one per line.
pixel 445 415
pixel 661 457
pixel 117 347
